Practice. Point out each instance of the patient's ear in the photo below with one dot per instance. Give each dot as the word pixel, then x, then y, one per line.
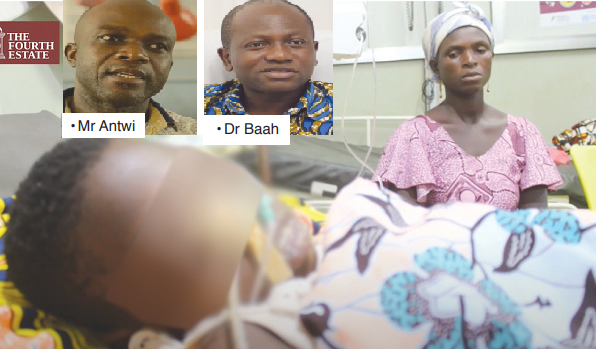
pixel 224 55
pixel 70 51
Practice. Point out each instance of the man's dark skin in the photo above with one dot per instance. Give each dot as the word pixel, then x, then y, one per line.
pixel 122 55
pixel 271 36
pixel 474 125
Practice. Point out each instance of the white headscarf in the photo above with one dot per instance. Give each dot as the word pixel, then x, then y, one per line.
pixel 465 15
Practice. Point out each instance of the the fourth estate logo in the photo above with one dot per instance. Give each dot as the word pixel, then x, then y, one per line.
pixel 29 42
pixel 2 44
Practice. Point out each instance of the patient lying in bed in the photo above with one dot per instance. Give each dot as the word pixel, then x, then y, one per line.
pixel 394 273
pixel 387 273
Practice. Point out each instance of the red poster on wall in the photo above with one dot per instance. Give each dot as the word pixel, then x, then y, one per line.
pixel 30 43
pixel 557 13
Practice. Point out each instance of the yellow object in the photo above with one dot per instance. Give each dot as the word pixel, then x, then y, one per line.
pixel 276 268
pixel 567 4
pixel 297 204
pixel 584 158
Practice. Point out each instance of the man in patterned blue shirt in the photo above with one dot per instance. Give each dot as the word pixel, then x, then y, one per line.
pixel 270 45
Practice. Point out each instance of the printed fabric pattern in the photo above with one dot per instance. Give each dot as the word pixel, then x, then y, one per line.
pixel 452 276
pixel 422 154
pixel 22 326
pixel 582 133
pixel 313 115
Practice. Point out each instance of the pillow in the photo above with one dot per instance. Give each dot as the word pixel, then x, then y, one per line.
pixel 24 326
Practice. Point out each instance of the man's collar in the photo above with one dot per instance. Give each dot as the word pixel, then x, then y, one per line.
pixel 232 99
pixel 156 116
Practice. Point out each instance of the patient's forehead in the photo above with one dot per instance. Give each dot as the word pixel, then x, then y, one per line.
pixel 126 176
pixel 117 190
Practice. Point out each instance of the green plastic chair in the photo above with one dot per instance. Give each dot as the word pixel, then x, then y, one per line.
pixel 584 158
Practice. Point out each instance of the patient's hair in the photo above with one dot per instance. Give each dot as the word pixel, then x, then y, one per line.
pixel 45 261
pixel 226 24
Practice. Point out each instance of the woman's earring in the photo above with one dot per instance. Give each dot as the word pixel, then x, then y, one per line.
pixel 440 89
pixel 488 87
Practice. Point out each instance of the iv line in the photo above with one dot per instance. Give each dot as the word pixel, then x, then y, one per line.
pixel 343 117
pixel 238 333
pixel 373 130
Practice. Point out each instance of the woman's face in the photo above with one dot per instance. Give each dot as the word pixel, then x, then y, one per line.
pixel 464 61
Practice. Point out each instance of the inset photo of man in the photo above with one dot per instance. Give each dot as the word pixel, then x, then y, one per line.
pixel 265 57
pixel 133 56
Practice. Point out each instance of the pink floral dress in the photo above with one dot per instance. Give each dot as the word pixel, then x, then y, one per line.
pixel 421 154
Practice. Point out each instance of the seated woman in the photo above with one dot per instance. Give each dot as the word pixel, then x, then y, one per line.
pixel 464 149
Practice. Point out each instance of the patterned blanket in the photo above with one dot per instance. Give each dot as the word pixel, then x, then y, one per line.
pixel 453 276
